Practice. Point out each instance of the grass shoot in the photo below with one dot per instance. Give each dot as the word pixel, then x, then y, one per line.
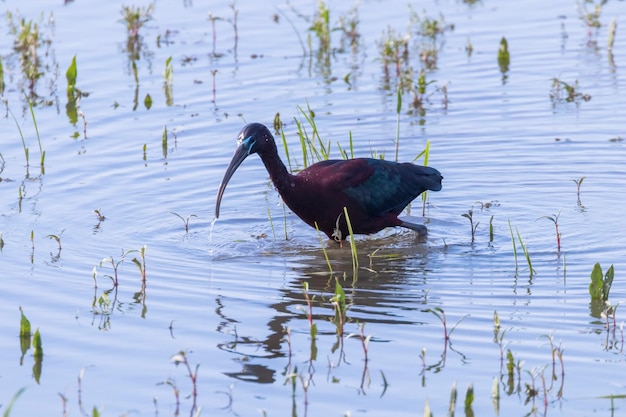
pixel 579 183
pixel 398 111
pixel 340 306
pixel 470 216
pixel 269 216
pixel 355 259
pixel 57 238
pixel 441 315
pixel 563 92
pixel 181 358
pixel 555 219
pixel 309 311
pixel 115 265
pixel 319 234
pixel 514 245
pixel 41 151
pixel 188 218
pixel 531 271
pixel 9 407
pixel 101 217
pixel 141 265
pixel 135 17
pixel 168 75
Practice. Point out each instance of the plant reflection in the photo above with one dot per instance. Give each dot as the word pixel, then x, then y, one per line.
pixel 318 298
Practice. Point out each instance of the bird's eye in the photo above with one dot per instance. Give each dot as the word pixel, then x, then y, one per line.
pixel 240 138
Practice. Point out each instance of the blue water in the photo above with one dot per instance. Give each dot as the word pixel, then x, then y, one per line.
pixel 231 294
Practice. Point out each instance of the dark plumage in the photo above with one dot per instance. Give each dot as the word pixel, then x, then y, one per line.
pixel 374 191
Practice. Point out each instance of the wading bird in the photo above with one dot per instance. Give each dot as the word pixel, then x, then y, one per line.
pixel 373 191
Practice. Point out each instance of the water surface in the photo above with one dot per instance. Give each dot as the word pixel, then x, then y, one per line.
pixel 236 303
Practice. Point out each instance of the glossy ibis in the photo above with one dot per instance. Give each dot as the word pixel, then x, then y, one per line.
pixel 374 191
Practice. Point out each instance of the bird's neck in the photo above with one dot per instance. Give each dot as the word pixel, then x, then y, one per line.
pixel 279 174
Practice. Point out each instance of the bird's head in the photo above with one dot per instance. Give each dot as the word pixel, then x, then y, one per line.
pixel 253 138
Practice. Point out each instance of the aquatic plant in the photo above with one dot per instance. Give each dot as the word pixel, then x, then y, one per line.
pixel 309 311
pixel 398 111
pixel 26 149
pixel 319 234
pixel 495 395
pixel 514 246
pixel 562 91
pixel 418 89
pixel 114 265
pixel 134 17
pixel 313 146
pixel 41 151
pixel 557 354
pixel 469 48
pixel 101 217
pixel 57 238
pixel 164 142
pixel 25 335
pixel 26 43
pixel 531 271
pixel 213 19
pixel 394 52
pixel 181 358
pixel 9 407
pixel 340 306
pixel 429 27
pixel 353 252
pixel 469 400
pixel 504 57
pixel 524 249
pixel 555 219
pixel 348 26
pixel 610 36
pixel 141 265
pixel 498 337
pixel 32 246
pixel 600 284
pixel 579 183
pixel 321 26
pixel 441 315
pixel 168 75
pixel 470 216
pixel 425 153
pixel 591 19
pixel 2 84
pixel 73 97
pixel 184 219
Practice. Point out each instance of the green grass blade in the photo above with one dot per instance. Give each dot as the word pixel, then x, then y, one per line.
pixel 7 412
pixel 319 234
pixel 514 245
pixel 355 259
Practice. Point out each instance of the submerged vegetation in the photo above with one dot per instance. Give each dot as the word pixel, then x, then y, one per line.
pixel 563 92
pixel 31 45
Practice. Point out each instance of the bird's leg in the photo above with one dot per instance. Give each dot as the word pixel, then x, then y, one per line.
pixel 419 228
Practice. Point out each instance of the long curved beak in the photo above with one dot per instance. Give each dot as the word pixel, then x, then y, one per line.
pixel 241 153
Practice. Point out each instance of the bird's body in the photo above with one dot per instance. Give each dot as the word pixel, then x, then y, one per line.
pixel 373 191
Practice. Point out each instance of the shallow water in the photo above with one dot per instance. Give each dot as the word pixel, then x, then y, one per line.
pixel 231 294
